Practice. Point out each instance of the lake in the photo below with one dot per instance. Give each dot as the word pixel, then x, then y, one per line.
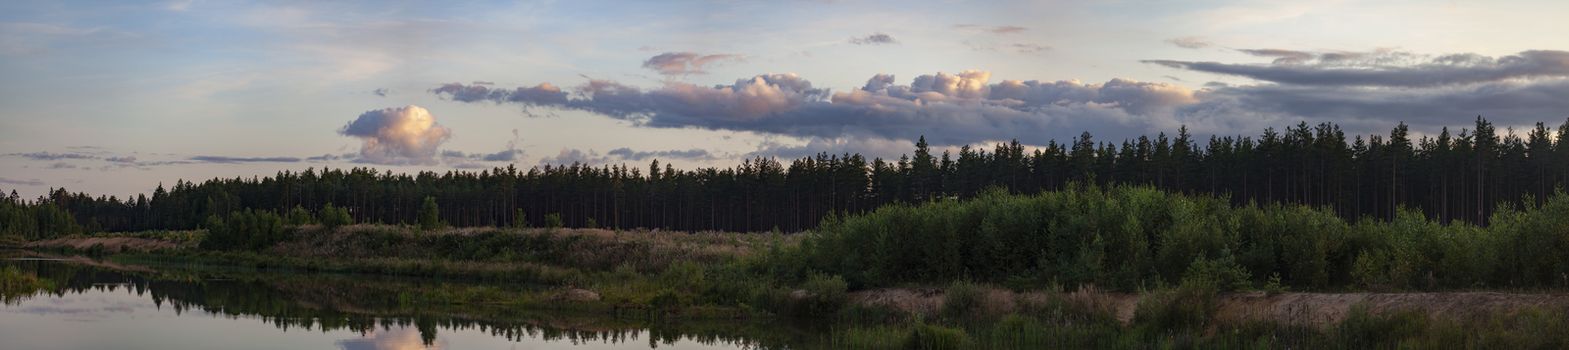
pixel 83 304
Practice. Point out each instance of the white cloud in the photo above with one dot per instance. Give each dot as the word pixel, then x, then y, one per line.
pixel 405 135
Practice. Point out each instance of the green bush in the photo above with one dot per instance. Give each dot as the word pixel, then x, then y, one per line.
pixel 244 230
pixel 553 221
pixel 933 337
pixel 1187 307
pixel 299 216
pixel 963 300
pixel 1224 273
pixel 333 217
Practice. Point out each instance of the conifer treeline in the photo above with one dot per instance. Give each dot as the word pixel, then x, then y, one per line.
pixel 1451 176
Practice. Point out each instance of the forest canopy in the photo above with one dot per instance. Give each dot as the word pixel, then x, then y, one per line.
pixel 1450 176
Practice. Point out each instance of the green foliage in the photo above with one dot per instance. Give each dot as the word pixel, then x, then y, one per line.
pixel 1224 273
pixel 553 221
pixel 1130 237
pixel 520 219
pixel 430 215
pixel 825 294
pixel 333 217
pixel 299 216
pixel 590 223
pixel 1188 307
pixel 244 230
pixel 963 300
pixel 934 337
pixel 34 222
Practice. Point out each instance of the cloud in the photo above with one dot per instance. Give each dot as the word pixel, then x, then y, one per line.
pixel 1505 103
pixel 965 106
pixel 1189 42
pixel 1006 29
pixel 575 156
pixel 62 165
pixel 628 154
pixel 398 136
pixel 1281 56
pixel 874 39
pixel 1023 48
pixel 125 159
pixel 467 160
pixel 1387 68
pixel 31 182
pixel 1029 48
pixel 623 155
pixel 391 339
pixel 233 160
pixel 53 156
pixel 1365 92
pixel 542 94
pixel 381 92
pixel 685 63
pixel 869 147
pixel 332 157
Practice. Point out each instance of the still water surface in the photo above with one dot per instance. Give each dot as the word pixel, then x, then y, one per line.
pixel 76 306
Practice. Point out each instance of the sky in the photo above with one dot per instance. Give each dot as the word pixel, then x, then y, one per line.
pixel 117 97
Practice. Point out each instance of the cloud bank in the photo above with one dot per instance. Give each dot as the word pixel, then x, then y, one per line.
pixel 1386 68
pixel 398 136
pixel 966 107
pixel 1365 92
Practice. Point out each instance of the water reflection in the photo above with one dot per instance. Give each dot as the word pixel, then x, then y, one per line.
pixel 398 339
pixel 45 302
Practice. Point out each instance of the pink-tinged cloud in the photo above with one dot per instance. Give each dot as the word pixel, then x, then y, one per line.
pixel 686 63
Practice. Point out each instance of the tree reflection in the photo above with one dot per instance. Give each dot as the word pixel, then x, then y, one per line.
pixel 378 308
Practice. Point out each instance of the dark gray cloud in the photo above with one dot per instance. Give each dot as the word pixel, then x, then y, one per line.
pixel 628 154
pixel 1189 42
pixel 381 92
pixel 53 156
pixel 124 159
pixel 575 156
pixel 398 136
pixel 30 182
pixel 332 157
pixel 545 93
pixel 1505 103
pixel 623 155
pixel 1387 68
pixel 233 160
pixel 874 39
pixel 507 155
pixel 685 63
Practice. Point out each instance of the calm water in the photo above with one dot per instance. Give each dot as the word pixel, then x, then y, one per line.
pixel 76 306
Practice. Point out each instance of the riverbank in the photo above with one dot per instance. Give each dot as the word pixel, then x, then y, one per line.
pixel 651 278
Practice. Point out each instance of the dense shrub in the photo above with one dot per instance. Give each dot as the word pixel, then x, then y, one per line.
pixel 244 230
pixel 553 221
pixel 1130 237
pixel 333 217
pixel 963 300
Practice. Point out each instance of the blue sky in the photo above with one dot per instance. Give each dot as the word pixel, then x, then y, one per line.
pixel 116 97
